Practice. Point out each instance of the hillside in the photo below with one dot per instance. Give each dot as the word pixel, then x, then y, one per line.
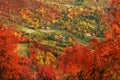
pixel 62 37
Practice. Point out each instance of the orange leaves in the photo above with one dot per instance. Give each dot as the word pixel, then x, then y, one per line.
pixel 53 16
pixel 27 12
pixel 47 73
pixel 76 58
pixel 8 58
pixel 94 40
pixel 112 32
pixel 74 11
pixel 0 12
pixel 11 66
pixel 1 43
pixel 40 16
pixel 73 69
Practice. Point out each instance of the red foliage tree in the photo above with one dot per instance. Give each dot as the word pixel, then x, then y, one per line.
pixel 76 59
pixel 12 66
pixel 15 67
pixel 47 73
pixel 108 51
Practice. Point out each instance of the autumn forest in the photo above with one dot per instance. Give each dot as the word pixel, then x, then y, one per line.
pixel 59 39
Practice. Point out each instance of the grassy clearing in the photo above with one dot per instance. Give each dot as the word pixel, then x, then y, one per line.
pixel 22 49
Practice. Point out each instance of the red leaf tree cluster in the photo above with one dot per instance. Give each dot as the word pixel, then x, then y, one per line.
pixel 12 66
pixel 10 10
pixel 16 67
